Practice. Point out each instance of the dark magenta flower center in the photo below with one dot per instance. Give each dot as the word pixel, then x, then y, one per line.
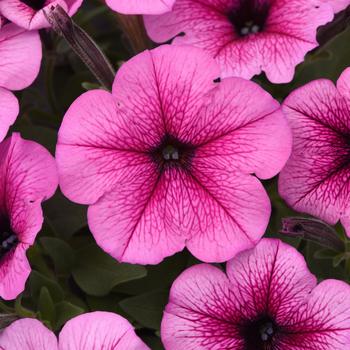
pixel 259 334
pixel 172 152
pixel 8 239
pixel 250 16
pixel 35 4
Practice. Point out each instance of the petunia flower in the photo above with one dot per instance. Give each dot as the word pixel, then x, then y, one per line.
pixel 30 14
pixel 20 53
pixel 267 300
pixel 91 331
pixel 316 179
pixel 166 160
pixel 28 176
pixel 146 7
pixel 247 37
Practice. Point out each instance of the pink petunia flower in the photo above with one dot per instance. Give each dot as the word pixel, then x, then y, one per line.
pixel 316 179
pixel 136 7
pixel 20 53
pixel 91 331
pixel 267 300
pixel 30 14
pixel 28 176
pixel 247 37
pixel 165 161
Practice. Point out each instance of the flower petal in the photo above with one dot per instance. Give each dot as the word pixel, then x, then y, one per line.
pixel 289 33
pixel 199 313
pixel 343 83
pixel 14 272
pixel 316 178
pixel 20 53
pixel 242 128
pixel 323 322
pixel 165 86
pixel 338 5
pixel 28 177
pixel 137 7
pixel 272 278
pixel 99 330
pixel 27 334
pixel 9 110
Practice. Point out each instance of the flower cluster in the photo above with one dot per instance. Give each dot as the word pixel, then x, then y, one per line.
pixel 175 156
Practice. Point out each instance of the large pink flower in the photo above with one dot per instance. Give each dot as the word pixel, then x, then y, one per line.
pixel 146 7
pixel 20 58
pixel 29 14
pixel 166 159
pixel 247 36
pixel 28 176
pixel 267 300
pixel 91 331
pixel 316 179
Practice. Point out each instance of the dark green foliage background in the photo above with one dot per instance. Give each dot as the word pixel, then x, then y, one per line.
pixel 71 275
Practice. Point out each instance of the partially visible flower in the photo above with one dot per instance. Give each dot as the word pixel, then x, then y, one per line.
pixel 30 14
pixel 28 176
pixel 316 179
pixel 20 58
pixel 166 160
pixel 91 331
pixel 338 5
pixel 267 300
pixel 141 7
pixel 246 37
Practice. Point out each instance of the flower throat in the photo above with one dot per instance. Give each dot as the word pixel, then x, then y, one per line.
pixel 8 239
pixel 249 17
pixel 34 4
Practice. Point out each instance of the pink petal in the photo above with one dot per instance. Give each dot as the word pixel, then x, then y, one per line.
pixel 28 177
pixel 316 177
pixel 199 314
pixel 323 322
pixel 338 5
pixel 30 18
pixel 290 32
pixel 343 83
pixel 272 277
pixel 27 334
pixel 9 110
pixel 97 331
pixel 166 87
pixel 14 272
pixel 20 53
pixel 242 128
pixel 136 7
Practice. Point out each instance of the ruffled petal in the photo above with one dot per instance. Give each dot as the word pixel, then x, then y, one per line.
pixel 14 272
pixel 28 177
pixel 137 7
pixel 20 53
pixel 27 334
pixel 9 110
pixel 97 331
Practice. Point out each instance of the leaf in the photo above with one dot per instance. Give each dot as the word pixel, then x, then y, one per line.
pixel 37 281
pixel 60 252
pixel 21 310
pixel 65 311
pixel 97 273
pixel 46 307
pixel 147 309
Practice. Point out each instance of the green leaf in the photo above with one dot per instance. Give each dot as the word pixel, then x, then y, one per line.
pixel 65 311
pixel 147 309
pixel 60 252
pixel 37 281
pixel 46 306
pixel 21 310
pixel 325 254
pixel 97 273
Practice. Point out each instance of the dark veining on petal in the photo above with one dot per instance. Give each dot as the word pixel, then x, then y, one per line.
pixel 8 239
pixel 34 4
pixel 172 152
pixel 259 334
pixel 250 16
